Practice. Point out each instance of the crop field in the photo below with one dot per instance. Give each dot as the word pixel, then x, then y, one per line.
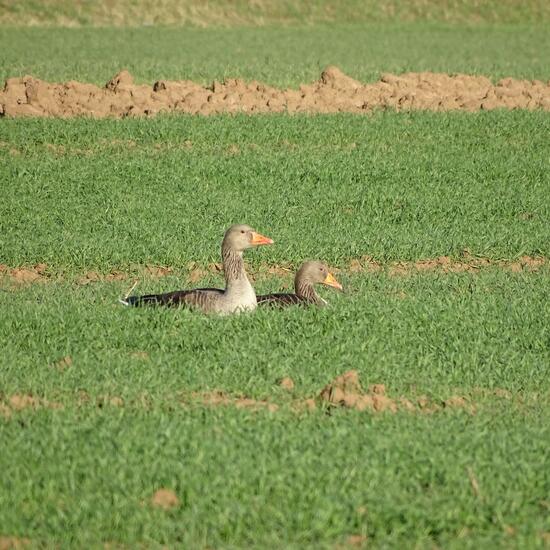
pixel 149 428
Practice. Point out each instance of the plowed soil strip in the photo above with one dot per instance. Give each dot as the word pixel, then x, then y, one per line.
pixel 195 273
pixel 344 392
pixel 333 92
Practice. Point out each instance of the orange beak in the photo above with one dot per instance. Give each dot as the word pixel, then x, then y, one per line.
pixel 331 281
pixel 258 239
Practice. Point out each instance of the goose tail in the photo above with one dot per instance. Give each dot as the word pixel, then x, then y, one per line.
pixel 127 299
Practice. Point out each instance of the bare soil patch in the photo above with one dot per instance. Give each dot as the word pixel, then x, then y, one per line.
pixel 165 499
pixel 220 398
pixel 445 264
pixel 13 543
pixel 286 383
pixel 344 392
pixel 21 402
pixel 334 92
pixel 195 273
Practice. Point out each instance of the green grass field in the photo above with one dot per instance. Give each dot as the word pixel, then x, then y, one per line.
pixel 79 467
pixel 278 56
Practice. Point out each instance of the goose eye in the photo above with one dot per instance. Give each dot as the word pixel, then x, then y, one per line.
pixel 242 231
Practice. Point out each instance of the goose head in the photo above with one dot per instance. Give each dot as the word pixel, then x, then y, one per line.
pixel 316 273
pixel 239 237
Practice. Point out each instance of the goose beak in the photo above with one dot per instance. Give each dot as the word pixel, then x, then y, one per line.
pixel 331 281
pixel 258 239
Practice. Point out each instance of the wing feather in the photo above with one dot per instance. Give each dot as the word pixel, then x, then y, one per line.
pixel 198 298
pixel 281 300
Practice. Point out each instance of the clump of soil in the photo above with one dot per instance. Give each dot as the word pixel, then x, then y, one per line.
pixel 346 391
pixel 333 92
pixel 109 401
pixel 21 402
pixel 165 499
pixel 218 397
pixel 286 383
pixel 13 543
pixel 64 363
pixel 23 275
pixel 356 541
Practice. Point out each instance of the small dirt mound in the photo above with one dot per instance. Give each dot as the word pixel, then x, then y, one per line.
pixel 333 92
pixel 286 383
pixel 165 499
pixel 13 543
pixel 346 391
pixel 22 402
pixel 23 275
pixel 120 80
pixel 64 363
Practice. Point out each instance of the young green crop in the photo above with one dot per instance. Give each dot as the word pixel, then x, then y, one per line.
pixel 274 55
pixel 83 194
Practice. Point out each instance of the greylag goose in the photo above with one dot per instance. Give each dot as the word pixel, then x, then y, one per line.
pixel 309 274
pixel 238 294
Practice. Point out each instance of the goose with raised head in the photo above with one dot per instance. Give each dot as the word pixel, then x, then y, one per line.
pixel 309 274
pixel 238 294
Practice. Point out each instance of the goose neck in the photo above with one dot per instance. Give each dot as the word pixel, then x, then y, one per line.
pixel 233 265
pixel 305 289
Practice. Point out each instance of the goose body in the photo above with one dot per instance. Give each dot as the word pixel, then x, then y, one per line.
pixel 309 274
pixel 238 294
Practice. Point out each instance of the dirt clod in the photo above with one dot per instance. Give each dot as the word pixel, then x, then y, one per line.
pixel 5 411
pixel 19 402
pixel 13 543
pixel 357 541
pixel 458 402
pixel 64 363
pixel 24 275
pixel 333 92
pixel 346 391
pixel 165 499
pixel 22 402
pixel 286 383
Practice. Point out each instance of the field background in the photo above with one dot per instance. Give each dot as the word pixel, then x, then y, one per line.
pixel 86 442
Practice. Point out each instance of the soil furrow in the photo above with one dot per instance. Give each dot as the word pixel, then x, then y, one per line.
pixel 195 273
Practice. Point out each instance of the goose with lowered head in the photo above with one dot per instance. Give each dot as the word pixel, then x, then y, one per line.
pixel 309 274
pixel 238 294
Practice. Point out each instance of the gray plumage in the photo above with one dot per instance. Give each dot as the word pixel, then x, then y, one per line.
pixel 238 294
pixel 309 274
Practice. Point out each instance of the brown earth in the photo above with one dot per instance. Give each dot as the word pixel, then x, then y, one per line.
pixel 13 543
pixel 218 397
pixel 63 363
pixel 165 499
pixel 286 383
pixel 333 92
pixel 345 392
pixel 21 402
pixel 195 273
